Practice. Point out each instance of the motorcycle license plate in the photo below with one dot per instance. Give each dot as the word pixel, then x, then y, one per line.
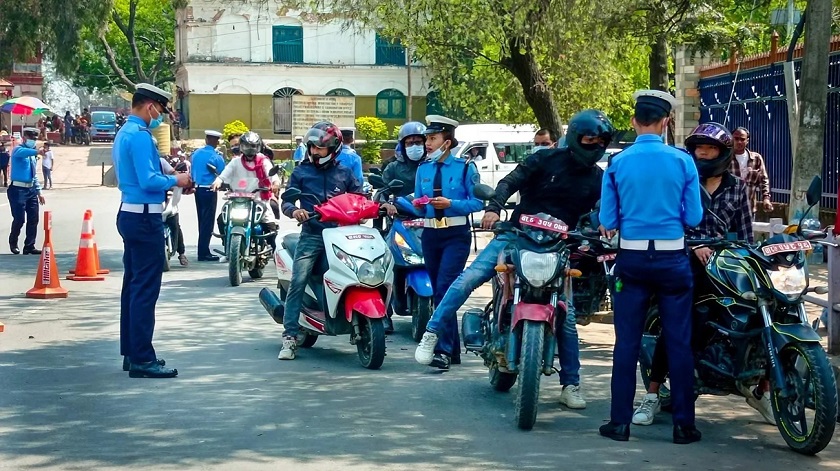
pixel 606 258
pixel 545 224
pixel 236 194
pixel 786 247
pixel 412 223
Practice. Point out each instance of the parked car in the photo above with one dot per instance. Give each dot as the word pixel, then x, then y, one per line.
pixel 103 126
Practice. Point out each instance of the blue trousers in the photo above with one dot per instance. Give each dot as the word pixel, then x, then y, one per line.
pixel 309 248
pixel 205 203
pixel 24 205
pixel 641 274
pixel 143 260
pixel 445 252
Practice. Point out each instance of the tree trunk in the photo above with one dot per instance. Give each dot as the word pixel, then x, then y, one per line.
pixel 658 63
pixel 522 64
pixel 813 84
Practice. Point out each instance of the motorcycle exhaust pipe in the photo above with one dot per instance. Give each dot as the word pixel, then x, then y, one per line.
pixel 272 304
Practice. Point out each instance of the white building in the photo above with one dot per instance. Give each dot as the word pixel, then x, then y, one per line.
pixel 279 71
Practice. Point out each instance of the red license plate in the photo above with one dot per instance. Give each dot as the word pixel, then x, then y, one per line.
pixel 786 247
pixel 236 194
pixel 410 223
pixel 606 258
pixel 540 223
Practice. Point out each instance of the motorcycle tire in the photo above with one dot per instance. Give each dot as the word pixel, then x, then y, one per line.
pixel 530 373
pixel 235 260
pixel 821 397
pixel 371 343
pixel 306 340
pixel 256 273
pixel 421 312
pixel 166 261
pixel 653 326
pixel 500 380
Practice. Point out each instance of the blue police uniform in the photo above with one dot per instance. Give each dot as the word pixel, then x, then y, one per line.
pixel 23 197
pixel 205 199
pixel 143 186
pixel 350 159
pixel 650 192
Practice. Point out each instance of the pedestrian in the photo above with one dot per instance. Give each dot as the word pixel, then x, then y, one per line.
pixel 4 163
pixel 206 199
pixel 24 193
pixel 47 166
pixel 651 192
pixel 348 156
pixel 544 139
pixel 143 186
pixel 68 128
pixel 300 150
pixel 749 166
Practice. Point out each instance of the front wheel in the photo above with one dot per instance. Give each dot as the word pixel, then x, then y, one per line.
pixel 806 418
pixel 371 342
pixel 421 312
pixel 530 371
pixel 235 260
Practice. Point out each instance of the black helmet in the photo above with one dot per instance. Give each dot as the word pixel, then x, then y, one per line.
pixel 592 123
pixel 250 144
pixel 714 134
pixel 323 134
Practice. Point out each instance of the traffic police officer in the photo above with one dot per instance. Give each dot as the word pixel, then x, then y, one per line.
pixel 205 198
pixel 650 193
pixel 143 186
pixel 25 193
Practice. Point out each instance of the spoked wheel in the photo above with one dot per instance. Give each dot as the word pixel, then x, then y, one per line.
pixel 421 312
pixel 530 371
pixel 806 418
pixel 371 343
pixel 235 260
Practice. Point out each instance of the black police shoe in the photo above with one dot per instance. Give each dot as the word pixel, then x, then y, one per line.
pixel 151 369
pixel 31 251
pixel 685 434
pixel 614 431
pixel 127 363
pixel 440 361
pixel 14 249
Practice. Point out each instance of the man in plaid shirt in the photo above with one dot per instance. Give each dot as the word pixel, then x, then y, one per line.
pixel 749 167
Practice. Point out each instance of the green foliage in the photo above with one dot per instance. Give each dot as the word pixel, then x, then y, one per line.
pixel 234 128
pixel 395 134
pixel 374 130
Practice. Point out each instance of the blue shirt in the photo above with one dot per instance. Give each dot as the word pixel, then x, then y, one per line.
pixel 458 179
pixel 299 153
pixel 4 158
pixel 350 159
pixel 200 158
pixel 651 191
pixel 24 160
pixel 137 165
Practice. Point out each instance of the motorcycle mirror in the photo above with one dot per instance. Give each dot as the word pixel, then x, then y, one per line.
pixel 814 191
pixel 212 169
pixel 396 185
pixel 484 192
pixel 274 170
pixel 375 170
pixel 291 195
pixel 376 181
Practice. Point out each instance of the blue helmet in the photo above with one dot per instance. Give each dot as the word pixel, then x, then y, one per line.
pixel 411 128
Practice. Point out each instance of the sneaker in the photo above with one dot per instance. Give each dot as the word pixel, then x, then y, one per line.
pixel 762 405
pixel 572 398
pixel 288 350
pixel 647 409
pixel 426 350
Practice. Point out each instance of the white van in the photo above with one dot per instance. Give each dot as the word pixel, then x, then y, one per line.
pixel 495 148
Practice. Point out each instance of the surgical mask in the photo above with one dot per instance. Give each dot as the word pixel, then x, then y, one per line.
pixel 539 148
pixel 30 143
pixel 155 122
pixel 415 152
pixel 436 154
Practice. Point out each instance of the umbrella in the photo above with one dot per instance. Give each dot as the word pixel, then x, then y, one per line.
pixel 25 105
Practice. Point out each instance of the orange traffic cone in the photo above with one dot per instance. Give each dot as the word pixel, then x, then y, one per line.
pixel 86 258
pixel 47 285
pixel 99 269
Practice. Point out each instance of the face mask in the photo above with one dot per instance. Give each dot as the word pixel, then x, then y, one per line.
pixel 437 154
pixel 30 143
pixel 415 152
pixel 539 148
pixel 155 122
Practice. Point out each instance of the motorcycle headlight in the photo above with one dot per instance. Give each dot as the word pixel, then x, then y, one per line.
pixel 538 268
pixel 239 213
pixel 790 281
pixel 409 255
pixel 369 273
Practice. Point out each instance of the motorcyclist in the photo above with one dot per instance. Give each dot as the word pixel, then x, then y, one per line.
pixel 565 183
pixel 710 145
pixel 251 165
pixel 319 177
pixel 411 150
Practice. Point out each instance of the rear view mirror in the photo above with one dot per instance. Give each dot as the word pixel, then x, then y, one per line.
pixel 814 191
pixel 375 170
pixel 396 185
pixel 376 181
pixel 484 192
pixel 291 195
pixel 274 170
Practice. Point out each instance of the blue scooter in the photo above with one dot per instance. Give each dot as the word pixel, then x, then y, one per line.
pixel 413 294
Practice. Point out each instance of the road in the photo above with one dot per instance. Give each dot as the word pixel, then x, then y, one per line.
pixel 66 404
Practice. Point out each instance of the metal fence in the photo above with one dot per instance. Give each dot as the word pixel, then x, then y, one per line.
pixel 759 104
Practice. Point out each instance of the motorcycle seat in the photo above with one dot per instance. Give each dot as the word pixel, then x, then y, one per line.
pixel 290 242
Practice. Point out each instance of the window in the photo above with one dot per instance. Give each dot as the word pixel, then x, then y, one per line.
pixel 388 52
pixel 340 92
pixel 513 152
pixel 288 44
pixel 283 110
pixel 390 104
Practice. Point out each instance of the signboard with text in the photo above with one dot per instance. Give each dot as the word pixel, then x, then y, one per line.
pixel 309 109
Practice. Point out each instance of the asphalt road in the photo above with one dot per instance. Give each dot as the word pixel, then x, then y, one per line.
pixel 66 404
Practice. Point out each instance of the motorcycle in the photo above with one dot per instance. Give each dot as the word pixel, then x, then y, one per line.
pixel 514 334
pixel 403 238
pixel 246 246
pixel 170 240
pixel 595 260
pixel 348 291
pixel 81 135
pixel 752 325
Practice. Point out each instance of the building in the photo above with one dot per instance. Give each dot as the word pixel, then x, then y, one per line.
pixel 281 70
pixel 26 79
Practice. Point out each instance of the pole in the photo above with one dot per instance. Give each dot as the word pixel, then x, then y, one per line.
pixel 408 81
pixel 808 159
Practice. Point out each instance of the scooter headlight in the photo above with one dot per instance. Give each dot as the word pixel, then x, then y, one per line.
pixel 790 281
pixel 538 268
pixel 369 273
pixel 239 213
pixel 409 255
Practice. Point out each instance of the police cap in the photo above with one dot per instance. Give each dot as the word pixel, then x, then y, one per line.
pixel 212 133
pixel 656 98
pixel 436 123
pixel 154 93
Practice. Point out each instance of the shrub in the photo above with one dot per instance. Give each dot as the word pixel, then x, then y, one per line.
pixel 374 131
pixel 234 128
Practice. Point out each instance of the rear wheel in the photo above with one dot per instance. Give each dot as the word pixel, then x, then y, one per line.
pixel 421 312
pixel 501 381
pixel 256 273
pixel 530 372
pixel 235 260
pixel 371 342
pixel 652 332
pixel 306 340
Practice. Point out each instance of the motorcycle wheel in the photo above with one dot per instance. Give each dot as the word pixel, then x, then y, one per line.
pixel 235 260
pixel 653 326
pixel 371 344
pixel 256 273
pixel 306 340
pixel 530 372
pixel 421 312
pixel 810 379
pixel 166 261
pixel 501 381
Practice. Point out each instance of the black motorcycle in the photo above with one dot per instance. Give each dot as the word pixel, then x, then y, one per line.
pixel 750 324
pixel 595 260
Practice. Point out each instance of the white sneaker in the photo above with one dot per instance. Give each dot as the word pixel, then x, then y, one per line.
pixel 762 405
pixel 425 352
pixel 572 398
pixel 647 409
pixel 287 352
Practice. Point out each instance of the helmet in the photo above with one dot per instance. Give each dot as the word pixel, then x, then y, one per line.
pixel 717 135
pixel 323 134
pixel 411 128
pixel 250 144
pixel 592 123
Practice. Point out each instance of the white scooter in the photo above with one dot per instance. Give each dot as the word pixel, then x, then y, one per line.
pixel 351 286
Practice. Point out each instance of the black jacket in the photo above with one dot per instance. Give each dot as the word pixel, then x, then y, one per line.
pixel 324 184
pixel 551 182
pixel 403 171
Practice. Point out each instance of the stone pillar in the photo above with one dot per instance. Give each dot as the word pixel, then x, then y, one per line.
pixel 687 77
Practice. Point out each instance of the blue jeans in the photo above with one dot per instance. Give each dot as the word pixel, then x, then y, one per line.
pixel 47 177
pixel 24 205
pixel 309 248
pixel 481 271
